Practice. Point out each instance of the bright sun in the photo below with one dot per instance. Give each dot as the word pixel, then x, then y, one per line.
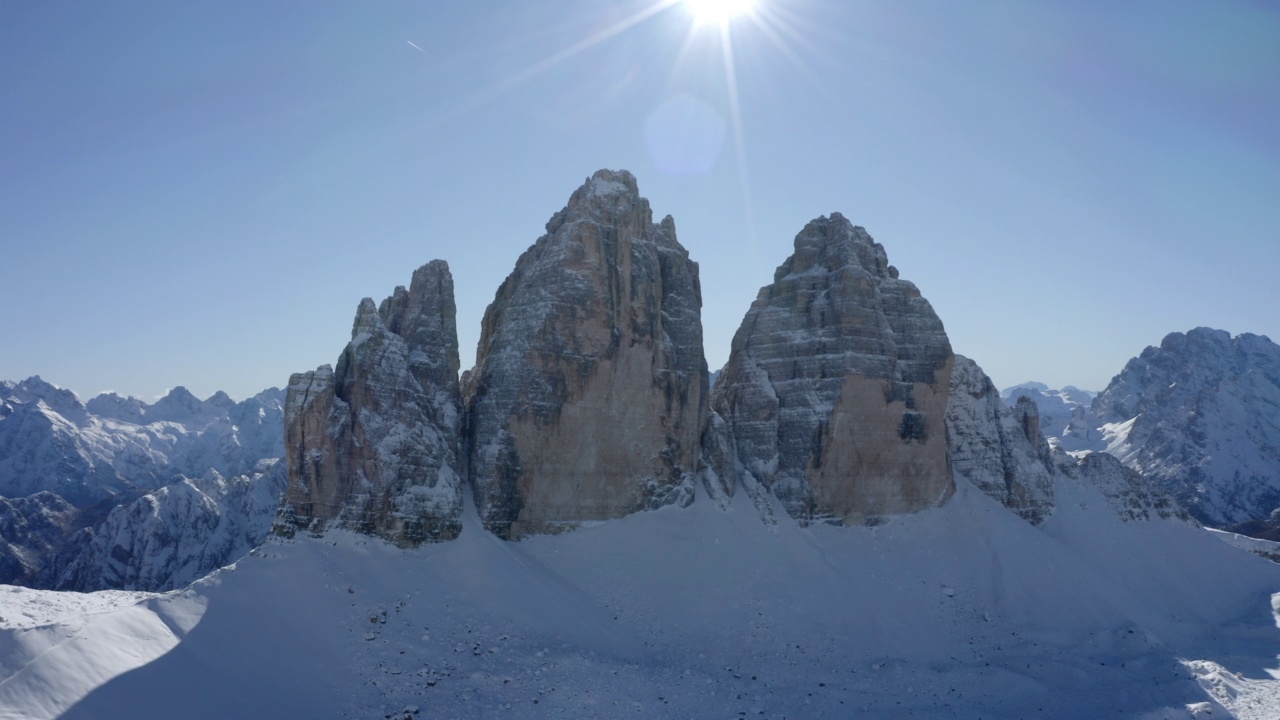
pixel 718 12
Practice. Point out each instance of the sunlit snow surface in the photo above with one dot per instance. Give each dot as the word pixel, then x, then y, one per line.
pixel 962 611
pixel 56 647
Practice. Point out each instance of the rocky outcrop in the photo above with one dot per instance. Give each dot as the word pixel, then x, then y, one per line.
pixel 1200 416
pixel 589 393
pixel 32 529
pixel 1129 494
pixel 372 445
pixel 836 388
pixel 173 536
pixel 997 449
pixel 1064 415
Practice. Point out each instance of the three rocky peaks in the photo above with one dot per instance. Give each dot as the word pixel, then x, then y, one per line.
pixel 842 400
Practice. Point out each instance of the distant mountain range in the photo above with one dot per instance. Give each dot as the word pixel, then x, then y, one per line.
pixel 1199 416
pixel 72 471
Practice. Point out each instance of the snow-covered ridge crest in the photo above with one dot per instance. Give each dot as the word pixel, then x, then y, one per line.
pixel 113 444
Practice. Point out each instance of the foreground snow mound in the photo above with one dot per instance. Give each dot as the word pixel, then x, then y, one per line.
pixel 960 611
pixel 56 647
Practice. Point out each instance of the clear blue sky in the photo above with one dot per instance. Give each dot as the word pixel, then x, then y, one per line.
pixel 201 193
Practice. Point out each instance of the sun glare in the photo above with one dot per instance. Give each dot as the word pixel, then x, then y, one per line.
pixel 718 12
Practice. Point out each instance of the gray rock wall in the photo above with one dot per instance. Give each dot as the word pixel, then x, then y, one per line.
pixel 997 449
pixel 836 388
pixel 373 445
pixel 588 397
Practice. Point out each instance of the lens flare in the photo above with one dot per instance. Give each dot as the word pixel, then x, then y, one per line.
pixel 718 12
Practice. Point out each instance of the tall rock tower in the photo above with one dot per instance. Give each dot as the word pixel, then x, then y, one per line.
pixel 373 445
pixel 589 393
pixel 835 394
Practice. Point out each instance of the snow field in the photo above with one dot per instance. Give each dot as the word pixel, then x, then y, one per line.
pixel 960 611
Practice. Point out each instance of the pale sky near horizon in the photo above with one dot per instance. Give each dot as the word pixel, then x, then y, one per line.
pixel 200 194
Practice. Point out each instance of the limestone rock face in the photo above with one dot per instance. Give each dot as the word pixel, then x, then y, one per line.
pixel 1200 416
pixel 373 444
pixel 589 394
pixel 997 448
pixel 835 393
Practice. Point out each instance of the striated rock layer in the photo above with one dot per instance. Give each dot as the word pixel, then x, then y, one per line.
pixel 373 444
pixel 836 389
pixel 589 394
pixel 998 449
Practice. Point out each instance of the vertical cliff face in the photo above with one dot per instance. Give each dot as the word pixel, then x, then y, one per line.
pixel 997 448
pixel 836 388
pixel 373 444
pixel 589 393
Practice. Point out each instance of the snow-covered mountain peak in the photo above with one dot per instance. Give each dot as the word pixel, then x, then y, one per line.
pixel 33 389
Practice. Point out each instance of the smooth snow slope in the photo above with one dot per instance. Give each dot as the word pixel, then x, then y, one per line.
pixel 960 611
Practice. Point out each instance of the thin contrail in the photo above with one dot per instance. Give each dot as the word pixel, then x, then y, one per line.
pixel 415 47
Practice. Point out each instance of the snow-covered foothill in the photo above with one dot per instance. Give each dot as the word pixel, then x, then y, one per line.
pixel 964 610
pixel 1268 549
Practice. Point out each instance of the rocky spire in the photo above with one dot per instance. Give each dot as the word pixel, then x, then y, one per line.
pixel 373 444
pixel 836 387
pixel 997 448
pixel 589 393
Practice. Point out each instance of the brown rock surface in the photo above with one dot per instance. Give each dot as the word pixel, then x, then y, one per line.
pixel 835 393
pixel 373 445
pixel 588 397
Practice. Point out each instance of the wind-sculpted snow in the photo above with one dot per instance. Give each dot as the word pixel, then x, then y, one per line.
pixel 373 446
pixel 173 536
pixel 836 388
pixel 1200 415
pixel 588 399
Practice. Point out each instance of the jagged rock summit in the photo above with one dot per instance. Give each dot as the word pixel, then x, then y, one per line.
pixel 589 394
pixel 1198 415
pixel 841 402
pixel 835 394
pixel 373 444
